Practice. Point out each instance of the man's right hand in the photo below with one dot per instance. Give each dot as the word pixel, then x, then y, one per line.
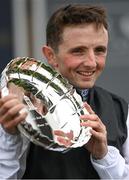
pixel 11 113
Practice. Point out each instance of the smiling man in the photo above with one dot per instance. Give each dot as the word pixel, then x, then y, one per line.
pixel 81 59
pixel 77 43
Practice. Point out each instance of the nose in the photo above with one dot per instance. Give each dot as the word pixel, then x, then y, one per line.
pixel 90 59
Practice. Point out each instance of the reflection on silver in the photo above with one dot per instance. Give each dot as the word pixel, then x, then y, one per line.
pixel 52 104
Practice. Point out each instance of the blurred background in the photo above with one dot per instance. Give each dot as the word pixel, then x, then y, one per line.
pixel 22 33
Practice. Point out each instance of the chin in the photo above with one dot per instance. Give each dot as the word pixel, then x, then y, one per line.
pixel 85 86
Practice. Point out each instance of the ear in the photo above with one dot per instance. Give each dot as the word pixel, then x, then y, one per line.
pixel 50 55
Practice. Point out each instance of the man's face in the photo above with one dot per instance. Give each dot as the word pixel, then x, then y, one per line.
pixel 81 55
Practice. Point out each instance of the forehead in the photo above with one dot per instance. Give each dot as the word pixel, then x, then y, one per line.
pixel 83 33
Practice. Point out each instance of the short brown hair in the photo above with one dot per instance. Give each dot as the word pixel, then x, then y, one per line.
pixel 72 15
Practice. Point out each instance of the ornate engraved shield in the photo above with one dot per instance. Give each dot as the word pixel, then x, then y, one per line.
pixel 51 101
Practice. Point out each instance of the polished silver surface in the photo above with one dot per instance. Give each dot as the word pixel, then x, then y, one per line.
pixel 52 104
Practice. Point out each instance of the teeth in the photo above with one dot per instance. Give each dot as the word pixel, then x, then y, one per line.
pixel 86 73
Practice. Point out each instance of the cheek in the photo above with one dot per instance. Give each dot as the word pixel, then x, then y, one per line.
pixel 68 63
pixel 101 64
pixel 73 61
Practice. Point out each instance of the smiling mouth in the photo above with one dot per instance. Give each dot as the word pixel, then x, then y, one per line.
pixel 86 74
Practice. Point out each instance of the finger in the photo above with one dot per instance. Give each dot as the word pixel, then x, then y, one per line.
pixel 59 133
pixel 64 141
pixel 61 138
pixel 70 135
pixel 92 117
pixel 99 136
pixel 8 106
pixel 7 98
pixel 10 126
pixel 89 117
pixel 12 113
pixel 88 108
pixel 96 125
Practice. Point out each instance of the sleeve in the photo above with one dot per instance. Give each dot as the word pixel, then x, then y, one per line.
pixel 13 151
pixel 113 165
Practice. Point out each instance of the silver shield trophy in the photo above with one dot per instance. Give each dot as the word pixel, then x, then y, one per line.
pixel 51 101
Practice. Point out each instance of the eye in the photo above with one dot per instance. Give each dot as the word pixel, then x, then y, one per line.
pixel 101 50
pixel 78 51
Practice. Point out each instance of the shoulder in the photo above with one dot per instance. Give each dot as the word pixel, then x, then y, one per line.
pixel 109 98
pixel 104 92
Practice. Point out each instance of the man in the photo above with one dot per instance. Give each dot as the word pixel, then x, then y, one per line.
pixel 77 43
